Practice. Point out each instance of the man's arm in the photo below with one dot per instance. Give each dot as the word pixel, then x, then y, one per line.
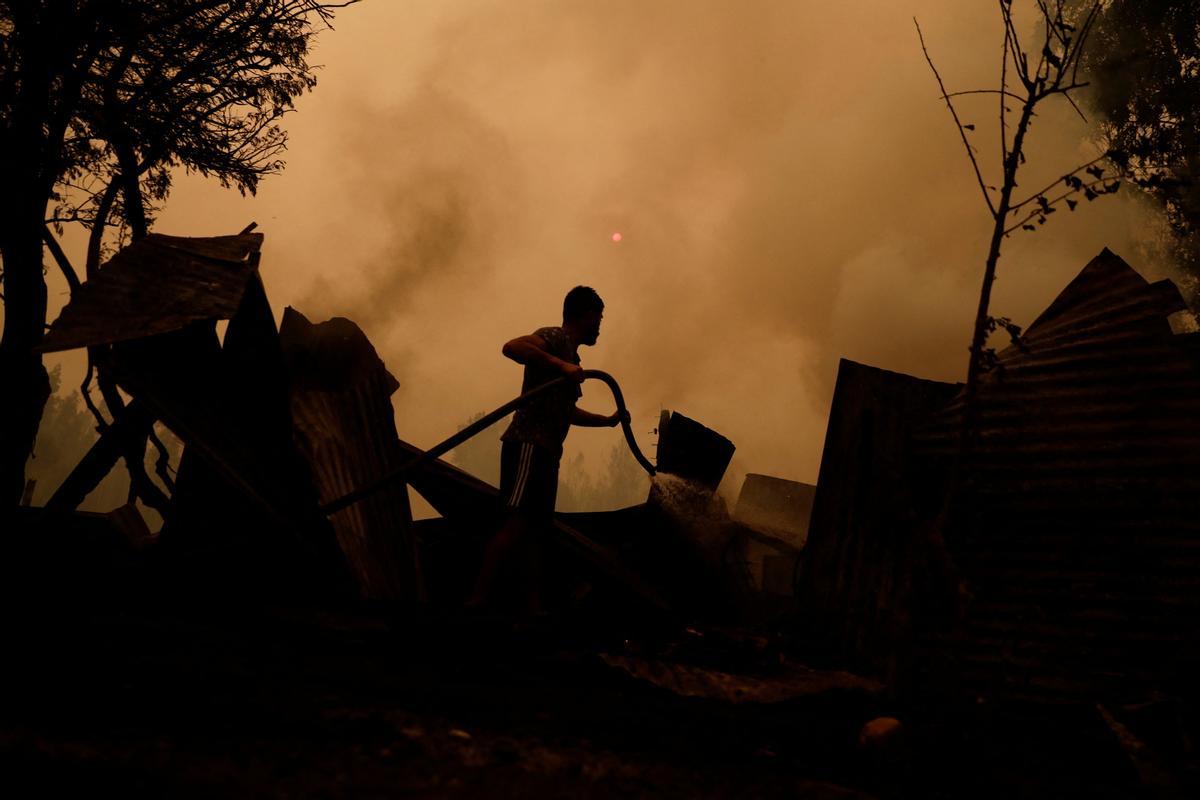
pixel 531 349
pixel 587 419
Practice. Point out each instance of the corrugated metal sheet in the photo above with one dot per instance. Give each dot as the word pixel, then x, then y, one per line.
pixel 157 285
pixel 1077 532
pixel 241 483
pixel 776 506
pixel 773 515
pixel 345 427
pixel 863 547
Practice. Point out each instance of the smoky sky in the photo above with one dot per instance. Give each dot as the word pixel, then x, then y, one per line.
pixel 789 188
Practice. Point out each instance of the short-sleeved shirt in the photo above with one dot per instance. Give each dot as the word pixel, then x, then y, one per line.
pixel 545 420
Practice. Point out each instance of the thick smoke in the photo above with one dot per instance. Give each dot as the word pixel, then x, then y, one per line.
pixel 788 185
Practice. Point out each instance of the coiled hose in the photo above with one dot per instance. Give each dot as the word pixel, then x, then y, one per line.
pixel 441 448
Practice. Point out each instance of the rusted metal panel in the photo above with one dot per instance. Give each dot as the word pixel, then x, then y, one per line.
pixel 241 487
pixel 345 428
pixel 1077 532
pixel 179 377
pixel 773 514
pixel 157 285
pixel 863 547
pixel 776 506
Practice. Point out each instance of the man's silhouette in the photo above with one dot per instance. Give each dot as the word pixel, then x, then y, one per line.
pixel 532 445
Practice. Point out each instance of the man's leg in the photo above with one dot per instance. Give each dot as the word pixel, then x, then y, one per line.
pixel 499 551
pixel 531 547
pixel 534 538
pixel 516 461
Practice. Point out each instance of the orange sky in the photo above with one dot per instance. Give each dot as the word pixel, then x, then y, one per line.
pixel 789 188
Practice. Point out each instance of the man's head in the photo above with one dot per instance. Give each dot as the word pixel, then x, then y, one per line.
pixel 582 311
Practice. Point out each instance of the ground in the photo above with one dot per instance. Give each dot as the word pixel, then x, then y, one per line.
pixel 122 674
pixel 288 704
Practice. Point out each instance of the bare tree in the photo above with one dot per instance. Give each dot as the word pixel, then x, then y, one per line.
pixel 1051 72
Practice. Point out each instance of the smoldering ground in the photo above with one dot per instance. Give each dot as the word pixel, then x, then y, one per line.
pixel 787 183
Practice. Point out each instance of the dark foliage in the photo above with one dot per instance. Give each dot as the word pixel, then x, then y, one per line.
pixel 99 99
pixel 1144 69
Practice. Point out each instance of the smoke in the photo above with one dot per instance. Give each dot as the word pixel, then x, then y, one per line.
pixel 788 186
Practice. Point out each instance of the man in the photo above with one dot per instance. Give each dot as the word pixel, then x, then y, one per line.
pixel 532 445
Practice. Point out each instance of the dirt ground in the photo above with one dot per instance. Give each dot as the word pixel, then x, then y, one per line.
pixel 309 704
pixel 118 676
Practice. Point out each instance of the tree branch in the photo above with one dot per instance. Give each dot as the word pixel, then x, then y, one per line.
pixel 1056 182
pixel 163 463
pixel 96 235
pixel 953 113
pixel 1078 111
pixel 1003 94
pixel 1056 200
pixel 60 258
pixel 983 91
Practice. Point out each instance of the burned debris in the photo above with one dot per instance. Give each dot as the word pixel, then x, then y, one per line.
pixel 345 429
pixel 1067 570
pixel 775 513
pixel 1059 569
pixel 277 424
pixel 1063 574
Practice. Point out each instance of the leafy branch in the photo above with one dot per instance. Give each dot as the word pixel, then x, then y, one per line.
pixel 1026 81
pixel 1028 78
pixel 1090 190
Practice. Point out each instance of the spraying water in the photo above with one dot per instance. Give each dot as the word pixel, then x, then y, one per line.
pixel 693 509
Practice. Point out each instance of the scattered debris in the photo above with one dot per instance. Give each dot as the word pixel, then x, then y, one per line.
pixel 789 681
pixel 1069 548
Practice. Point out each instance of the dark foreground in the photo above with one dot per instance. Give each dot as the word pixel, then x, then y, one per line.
pixel 172 702
pixel 138 675
pixel 280 705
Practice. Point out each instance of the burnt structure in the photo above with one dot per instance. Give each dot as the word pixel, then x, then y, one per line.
pixel 246 495
pixel 1066 567
pixel 277 423
pixel 774 514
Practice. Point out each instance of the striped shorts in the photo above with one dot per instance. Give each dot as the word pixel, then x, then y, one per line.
pixel 528 478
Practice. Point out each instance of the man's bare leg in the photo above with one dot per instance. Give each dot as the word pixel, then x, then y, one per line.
pixel 498 553
pixel 531 547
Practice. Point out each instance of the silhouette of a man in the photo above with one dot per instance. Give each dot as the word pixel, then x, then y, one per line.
pixel 532 445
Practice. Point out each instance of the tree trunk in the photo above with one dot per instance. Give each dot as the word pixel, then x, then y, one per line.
pixel 131 189
pixel 26 386
pixel 43 41
pixel 982 315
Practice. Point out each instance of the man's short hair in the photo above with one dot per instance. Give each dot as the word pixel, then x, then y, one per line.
pixel 581 300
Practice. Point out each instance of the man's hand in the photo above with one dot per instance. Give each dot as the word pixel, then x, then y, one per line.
pixel 618 418
pixel 589 420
